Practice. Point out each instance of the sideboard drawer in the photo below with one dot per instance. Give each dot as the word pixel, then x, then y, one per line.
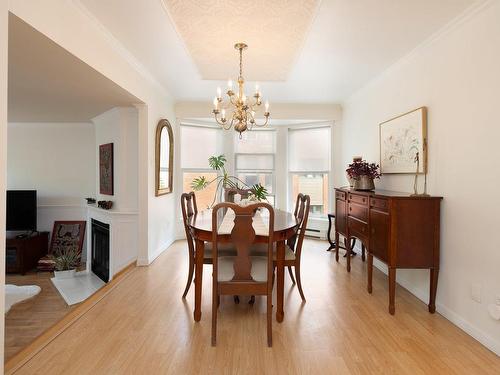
pixel 340 195
pixel 379 204
pixel 358 211
pixel 357 228
pixel 360 199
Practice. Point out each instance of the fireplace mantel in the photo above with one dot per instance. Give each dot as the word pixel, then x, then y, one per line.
pixel 123 245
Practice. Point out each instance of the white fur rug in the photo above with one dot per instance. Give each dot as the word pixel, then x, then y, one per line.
pixel 15 294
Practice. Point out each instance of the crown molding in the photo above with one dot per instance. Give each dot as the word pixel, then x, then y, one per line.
pixel 449 27
pixel 118 47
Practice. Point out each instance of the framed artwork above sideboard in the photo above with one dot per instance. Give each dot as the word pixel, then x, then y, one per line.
pixel 403 140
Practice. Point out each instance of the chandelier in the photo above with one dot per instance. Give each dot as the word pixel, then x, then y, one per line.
pixel 243 109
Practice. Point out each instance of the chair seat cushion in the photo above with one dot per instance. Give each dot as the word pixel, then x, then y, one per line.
pixel 258 271
pixel 261 250
pixel 224 249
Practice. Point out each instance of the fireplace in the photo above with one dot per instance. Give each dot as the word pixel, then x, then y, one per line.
pixel 100 249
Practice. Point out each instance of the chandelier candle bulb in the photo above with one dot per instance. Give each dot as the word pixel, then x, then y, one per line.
pixel 230 84
pixel 223 115
pixel 216 103
pixel 219 93
pixel 267 106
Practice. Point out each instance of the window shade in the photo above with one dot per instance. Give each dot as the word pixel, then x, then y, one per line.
pixel 255 142
pixel 197 145
pixel 254 162
pixel 309 149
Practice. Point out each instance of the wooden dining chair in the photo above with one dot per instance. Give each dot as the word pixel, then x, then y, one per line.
pixel 190 209
pixel 242 273
pixel 293 248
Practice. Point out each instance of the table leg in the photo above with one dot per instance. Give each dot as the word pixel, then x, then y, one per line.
pixel 280 282
pixel 198 278
pixel 433 289
pixel 392 290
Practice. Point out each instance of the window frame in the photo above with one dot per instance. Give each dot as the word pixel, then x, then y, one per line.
pixel 328 172
pixel 272 172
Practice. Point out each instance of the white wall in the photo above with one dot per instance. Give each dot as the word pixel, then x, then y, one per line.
pixel 3 157
pixel 457 76
pixel 120 127
pixel 73 28
pixel 57 159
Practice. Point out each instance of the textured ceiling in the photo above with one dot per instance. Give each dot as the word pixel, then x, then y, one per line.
pixel 274 31
pixel 348 43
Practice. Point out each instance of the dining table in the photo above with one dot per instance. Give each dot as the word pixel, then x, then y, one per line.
pixel 200 226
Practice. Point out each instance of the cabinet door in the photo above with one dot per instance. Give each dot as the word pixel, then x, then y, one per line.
pixel 340 216
pixel 379 234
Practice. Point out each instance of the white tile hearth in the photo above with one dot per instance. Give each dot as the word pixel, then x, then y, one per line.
pixel 79 288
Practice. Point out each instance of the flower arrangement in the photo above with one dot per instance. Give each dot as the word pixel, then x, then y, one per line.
pixel 224 180
pixel 360 168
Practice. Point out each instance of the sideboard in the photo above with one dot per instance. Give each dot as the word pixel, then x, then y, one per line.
pixel 399 229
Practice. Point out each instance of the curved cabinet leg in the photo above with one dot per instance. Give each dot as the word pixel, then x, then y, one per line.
pixel 363 252
pixel 433 289
pixel 392 290
pixel 370 272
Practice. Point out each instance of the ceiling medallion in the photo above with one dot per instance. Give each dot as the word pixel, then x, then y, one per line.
pixel 243 109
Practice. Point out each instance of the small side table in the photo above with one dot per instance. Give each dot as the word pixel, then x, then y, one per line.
pixel 331 217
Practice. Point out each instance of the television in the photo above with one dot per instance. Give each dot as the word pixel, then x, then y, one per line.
pixel 21 210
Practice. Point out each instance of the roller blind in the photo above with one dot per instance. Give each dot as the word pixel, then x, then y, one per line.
pixel 309 149
pixel 198 144
pixel 255 142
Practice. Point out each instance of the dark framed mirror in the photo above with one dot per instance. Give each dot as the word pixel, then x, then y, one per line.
pixel 164 158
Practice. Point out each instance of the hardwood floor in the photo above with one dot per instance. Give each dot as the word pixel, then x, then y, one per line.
pixel 27 320
pixel 144 327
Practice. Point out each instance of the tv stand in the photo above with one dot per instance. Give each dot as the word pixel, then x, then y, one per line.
pixel 23 254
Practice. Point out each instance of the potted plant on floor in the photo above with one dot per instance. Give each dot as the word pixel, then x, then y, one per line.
pixel 226 181
pixel 363 174
pixel 66 264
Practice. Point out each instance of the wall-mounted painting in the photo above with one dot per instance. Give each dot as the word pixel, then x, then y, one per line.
pixel 106 169
pixel 403 140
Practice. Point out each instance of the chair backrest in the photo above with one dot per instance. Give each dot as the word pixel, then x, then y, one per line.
pixel 229 194
pixel 189 209
pixel 301 213
pixel 242 236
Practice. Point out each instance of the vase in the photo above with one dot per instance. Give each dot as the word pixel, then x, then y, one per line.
pixel 364 183
pixel 350 179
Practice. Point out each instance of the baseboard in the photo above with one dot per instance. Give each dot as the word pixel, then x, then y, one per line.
pixel 485 339
pixel 151 258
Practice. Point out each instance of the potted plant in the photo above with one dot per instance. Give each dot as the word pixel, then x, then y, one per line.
pixel 66 263
pixel 363 173
pixel 226 181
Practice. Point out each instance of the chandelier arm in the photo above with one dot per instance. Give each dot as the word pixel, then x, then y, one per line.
pixel 264 124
